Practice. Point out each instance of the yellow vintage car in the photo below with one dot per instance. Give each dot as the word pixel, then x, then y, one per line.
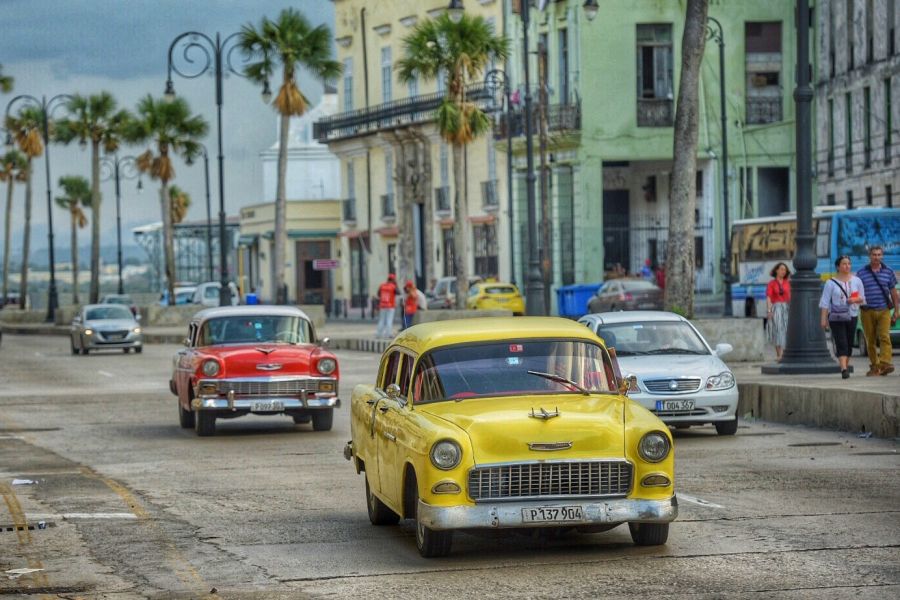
pixel 490 295
pixel 500 423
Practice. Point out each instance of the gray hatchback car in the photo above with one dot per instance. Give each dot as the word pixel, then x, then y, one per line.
pixel 106 327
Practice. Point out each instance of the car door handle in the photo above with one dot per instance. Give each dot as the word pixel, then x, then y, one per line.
pixel 383 409
pixel 391 437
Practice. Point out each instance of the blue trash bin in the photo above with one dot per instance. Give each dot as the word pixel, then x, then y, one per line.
pixel 572 300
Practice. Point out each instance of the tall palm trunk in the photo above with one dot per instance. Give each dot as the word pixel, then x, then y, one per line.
pixel 95 222
pixel 74 218
pixel 427 213
pixel 168 244
pixel 404 168
pixel 460 219
pixel 679 293
pixel 280 291
pixel 7 228
pixel 26 241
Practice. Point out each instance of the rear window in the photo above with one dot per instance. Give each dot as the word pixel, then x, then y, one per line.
pixel 500 289
pixel 638 285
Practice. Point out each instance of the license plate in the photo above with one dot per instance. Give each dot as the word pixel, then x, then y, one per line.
pixel 552 514
pixel 666 405
pixel 267 406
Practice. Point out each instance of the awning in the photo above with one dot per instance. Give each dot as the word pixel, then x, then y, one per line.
pixel 388 231
pixel 446 223
pixel 353 233
pixel 482 219
pixel 297 234
pixel 248 240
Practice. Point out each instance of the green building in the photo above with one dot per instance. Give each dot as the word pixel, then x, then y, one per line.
pixel 611 84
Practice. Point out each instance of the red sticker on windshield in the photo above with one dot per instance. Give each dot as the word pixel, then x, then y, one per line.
pixel 516 348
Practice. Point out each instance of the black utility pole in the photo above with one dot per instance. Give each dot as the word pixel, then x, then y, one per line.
pixel 46 107
pixel 806 351
pixel 717 34
pixel 496 80
pixel 122 168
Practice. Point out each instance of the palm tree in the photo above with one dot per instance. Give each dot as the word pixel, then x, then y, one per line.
pixel 171 128
pixel 179 203
pixel 25 128
pixel 291 42
pixel 6 82
pixel 461 52
pixel 95 120
pixel 77 196
pixel 14 167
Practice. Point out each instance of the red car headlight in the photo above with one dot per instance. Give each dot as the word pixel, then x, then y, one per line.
pixel 210 368
pixel 326 366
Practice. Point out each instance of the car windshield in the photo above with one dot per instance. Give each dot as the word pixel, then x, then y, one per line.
pixel 117 300
pixel 637 286
pixel 107 312
pixel 254 330
pixel 211 292
pixel 502 369
pixel 652 337
pixel 183 297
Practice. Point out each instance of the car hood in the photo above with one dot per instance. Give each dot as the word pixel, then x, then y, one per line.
pixel 671 365
pixel 244 360
pixel 110 324
pixel 501 429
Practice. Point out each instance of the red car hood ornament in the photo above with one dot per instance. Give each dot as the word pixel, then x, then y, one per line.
pixel 266 351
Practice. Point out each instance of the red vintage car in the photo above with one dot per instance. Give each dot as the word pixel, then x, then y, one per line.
pixel 254 359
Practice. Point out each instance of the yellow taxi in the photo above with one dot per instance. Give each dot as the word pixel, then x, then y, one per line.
pixel 491 295
pixel 504 423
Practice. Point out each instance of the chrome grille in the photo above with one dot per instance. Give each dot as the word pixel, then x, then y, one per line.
pixel 113 336
pixel 274 387
pixel 663 386
pixel 550 480
pixel 680 413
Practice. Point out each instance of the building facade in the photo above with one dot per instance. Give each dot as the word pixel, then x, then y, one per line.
pixel 396 171
pixel 857 88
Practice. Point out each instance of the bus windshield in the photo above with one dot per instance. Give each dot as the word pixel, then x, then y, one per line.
pixel 858 232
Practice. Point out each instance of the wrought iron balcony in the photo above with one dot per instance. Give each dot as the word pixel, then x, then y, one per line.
pixel 349 209
pixel 390 115
pixel 560 118
pixel 763 110
pixel 388 212
pixel 489 195
pixel 655 112
pixel 442 199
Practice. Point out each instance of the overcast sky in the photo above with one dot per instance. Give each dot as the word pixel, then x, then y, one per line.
pixel 85 46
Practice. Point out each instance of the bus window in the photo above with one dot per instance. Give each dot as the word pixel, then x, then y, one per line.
pixel 823 237
pixel 857 232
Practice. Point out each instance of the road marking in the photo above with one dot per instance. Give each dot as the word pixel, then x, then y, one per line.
pixel 105 374
pixel 699 501
pixel 100 515
pixel 23 535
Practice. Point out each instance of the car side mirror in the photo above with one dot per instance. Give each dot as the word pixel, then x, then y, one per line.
pixel 325 342
pixel 186 342
pixel 723 349
pixel 626 383
pixel 392 391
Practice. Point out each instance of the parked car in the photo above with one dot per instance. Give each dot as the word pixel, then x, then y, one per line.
pixel 123 299
pixel 860 340
pixel 444 293
pixel 493 295
pixel 207 294
pixel 678 377
pixel 518 423
pixel 254 359
pixel 183 295
pixel 626 294
pixel 12 300
pixel 105 327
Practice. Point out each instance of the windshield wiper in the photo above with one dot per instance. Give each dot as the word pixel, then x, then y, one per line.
pixel 630 352
pixel 560 379
pixel 674 351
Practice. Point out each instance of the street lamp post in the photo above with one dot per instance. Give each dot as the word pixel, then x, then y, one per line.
pixel 120 168
pixel 806 351
pixel 209 252
pixel 716 34
pixel 46 107
pixel 496 80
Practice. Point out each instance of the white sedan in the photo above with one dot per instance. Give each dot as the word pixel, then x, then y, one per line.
pixel 678 376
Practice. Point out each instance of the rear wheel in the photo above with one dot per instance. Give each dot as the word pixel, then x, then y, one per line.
pixel 205 423
pixel 431 543
pixel 322 419
pixel 727 427
pixel 649 534
pixel 379 513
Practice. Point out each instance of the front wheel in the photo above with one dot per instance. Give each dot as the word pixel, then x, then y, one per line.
pixel 322 419
pixel 205 423
pixel 124 350
pixel 379 513
pixel 431 543
pixel 72 344
pixel 727 427
pixel 301 419
pixel 185 417
pixel 138 349
pixel 649 534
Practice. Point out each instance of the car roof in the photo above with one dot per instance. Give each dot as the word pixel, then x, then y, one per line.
pixel 629 316
pixel 101 304
pixel 254 310
pixel 427 336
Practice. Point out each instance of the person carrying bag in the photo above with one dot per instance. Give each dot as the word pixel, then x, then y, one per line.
pixel 839 306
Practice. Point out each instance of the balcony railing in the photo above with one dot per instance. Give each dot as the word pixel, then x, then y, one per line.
pixel 442 199
pixel 390 115
pixel 763 110
pixel 388 212
pixel 560 117
pixel 654 112
pixel 350 209
pixel 489 195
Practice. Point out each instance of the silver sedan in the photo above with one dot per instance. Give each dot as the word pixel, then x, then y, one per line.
pixel 106 326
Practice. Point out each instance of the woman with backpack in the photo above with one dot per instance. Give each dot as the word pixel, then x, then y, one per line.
pixel 841 298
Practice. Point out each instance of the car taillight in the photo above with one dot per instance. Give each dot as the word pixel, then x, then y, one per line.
pixel 626 296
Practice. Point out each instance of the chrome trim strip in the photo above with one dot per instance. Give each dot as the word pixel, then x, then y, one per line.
pixel 217 403
pixel 553 461
pixel 518 481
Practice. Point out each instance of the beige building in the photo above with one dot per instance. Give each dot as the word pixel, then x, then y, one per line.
pixel 396 170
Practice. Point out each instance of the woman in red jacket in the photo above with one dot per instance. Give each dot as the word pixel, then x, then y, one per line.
pixel 778 298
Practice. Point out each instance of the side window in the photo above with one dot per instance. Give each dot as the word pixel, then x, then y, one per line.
pixel 425 384
pixel 389 370
pixel 192 335
pixel 406 363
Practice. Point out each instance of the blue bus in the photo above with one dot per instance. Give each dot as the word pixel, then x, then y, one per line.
pixel 757 245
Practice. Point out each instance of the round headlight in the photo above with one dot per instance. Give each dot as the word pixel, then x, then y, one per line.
pixel 210 368
pixel 654 446
pixel 137 329
pixel 326 366
pixel 445 454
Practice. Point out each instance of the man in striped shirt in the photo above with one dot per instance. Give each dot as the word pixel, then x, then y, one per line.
pixel 880 289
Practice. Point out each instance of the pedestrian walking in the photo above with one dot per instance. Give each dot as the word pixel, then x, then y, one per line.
pixel 880 312
pixel 647 271
pixel 778 297
pixel 841 298
pixel 387 302
pixel 660 276
pixel 413 301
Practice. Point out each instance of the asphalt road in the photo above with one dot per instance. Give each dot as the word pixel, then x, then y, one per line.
pixel 134 506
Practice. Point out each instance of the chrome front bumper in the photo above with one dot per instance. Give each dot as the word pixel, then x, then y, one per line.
pixel 288 404
pixel 508 515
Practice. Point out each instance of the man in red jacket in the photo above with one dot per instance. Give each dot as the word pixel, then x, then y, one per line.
pixel 387 301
